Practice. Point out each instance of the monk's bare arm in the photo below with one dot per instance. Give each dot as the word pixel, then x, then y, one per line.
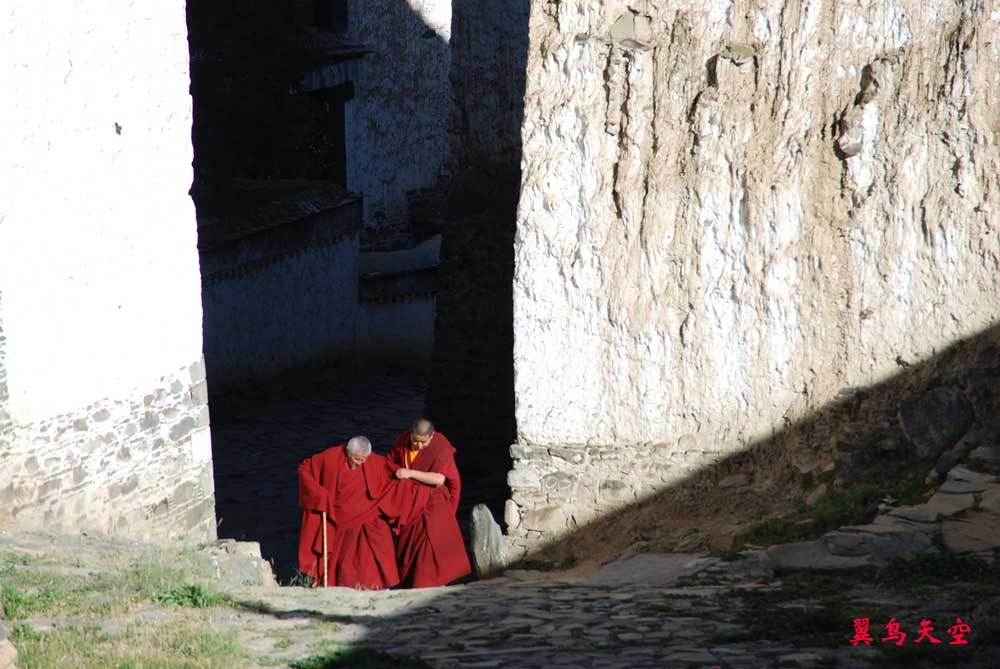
pixel 427 478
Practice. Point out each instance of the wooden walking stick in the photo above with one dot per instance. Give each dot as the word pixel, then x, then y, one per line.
pixel 326 560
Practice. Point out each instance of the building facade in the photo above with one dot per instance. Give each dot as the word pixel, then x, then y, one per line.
pixel 103 399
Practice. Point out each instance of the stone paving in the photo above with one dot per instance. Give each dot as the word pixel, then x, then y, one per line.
pixel 677 611
pixel 259 438
pixel 528 619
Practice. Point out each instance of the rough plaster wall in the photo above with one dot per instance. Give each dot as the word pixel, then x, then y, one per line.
pixel 698 260
pixel 397 123
pixel 5 423
pixel 99 272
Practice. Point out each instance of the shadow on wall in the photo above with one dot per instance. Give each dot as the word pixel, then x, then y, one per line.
pixel 286 300
pixel 472 380
pixel 831 469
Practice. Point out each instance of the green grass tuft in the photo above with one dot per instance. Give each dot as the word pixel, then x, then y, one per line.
pixel 187 646
pixel 857 504
pixel 192 596
pixel 18 604
pixel 936 569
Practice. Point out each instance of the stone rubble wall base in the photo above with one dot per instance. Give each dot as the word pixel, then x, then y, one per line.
pixel 136 467
pixel 558 489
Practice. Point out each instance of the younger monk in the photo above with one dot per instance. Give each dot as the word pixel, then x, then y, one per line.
pixel 430 550
pixel 356 490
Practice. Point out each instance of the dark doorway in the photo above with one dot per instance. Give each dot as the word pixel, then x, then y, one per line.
pixel 275 93
pixel 329 108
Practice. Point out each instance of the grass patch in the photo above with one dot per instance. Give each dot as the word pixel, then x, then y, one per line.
pixel 193 596
pixel 936 570
pixel 767 615
pixel 807 610
pixel 35 587
pixel 9 562
pixel 359 658
pixel 189 646
pixel 33 592
pixel 569 562
pixel 18 559
pixel 877 476
pixel 18 604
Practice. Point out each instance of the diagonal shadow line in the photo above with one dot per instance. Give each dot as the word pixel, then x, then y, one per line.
pixel 973 363
pixel 492 619
pixel 861 423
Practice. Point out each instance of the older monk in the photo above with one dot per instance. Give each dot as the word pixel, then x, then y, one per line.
pixel 430 551
pixel 356 489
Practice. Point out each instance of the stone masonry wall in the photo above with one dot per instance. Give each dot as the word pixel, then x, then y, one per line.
pixel 558 489
pixel 138 465
pixel 103 402
pixel 729 211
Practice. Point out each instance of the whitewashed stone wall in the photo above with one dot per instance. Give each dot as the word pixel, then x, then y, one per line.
pixel 106 423
pixel 396 126
pixel 282 297
pixel 729 211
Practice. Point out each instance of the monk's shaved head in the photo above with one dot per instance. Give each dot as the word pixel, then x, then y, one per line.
pixel 422 427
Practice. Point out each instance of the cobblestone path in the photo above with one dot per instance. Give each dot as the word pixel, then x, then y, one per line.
pixel 534 620
pixel 674 611
pixel 259 438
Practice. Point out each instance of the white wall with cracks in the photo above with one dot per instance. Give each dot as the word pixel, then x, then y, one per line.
pixel 731 210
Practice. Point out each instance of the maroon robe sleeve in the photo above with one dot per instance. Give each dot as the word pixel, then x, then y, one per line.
pixel 405 501
pixel 452 481
pixel 313 496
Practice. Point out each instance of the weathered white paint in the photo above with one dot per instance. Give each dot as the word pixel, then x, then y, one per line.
pixel 98 261
pixel 703 269
pixel 101 310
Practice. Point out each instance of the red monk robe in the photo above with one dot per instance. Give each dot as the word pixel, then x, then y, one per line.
pixel 359 541
pixel 431 551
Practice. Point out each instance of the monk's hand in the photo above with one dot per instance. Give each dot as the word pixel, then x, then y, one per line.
pixel 403 473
